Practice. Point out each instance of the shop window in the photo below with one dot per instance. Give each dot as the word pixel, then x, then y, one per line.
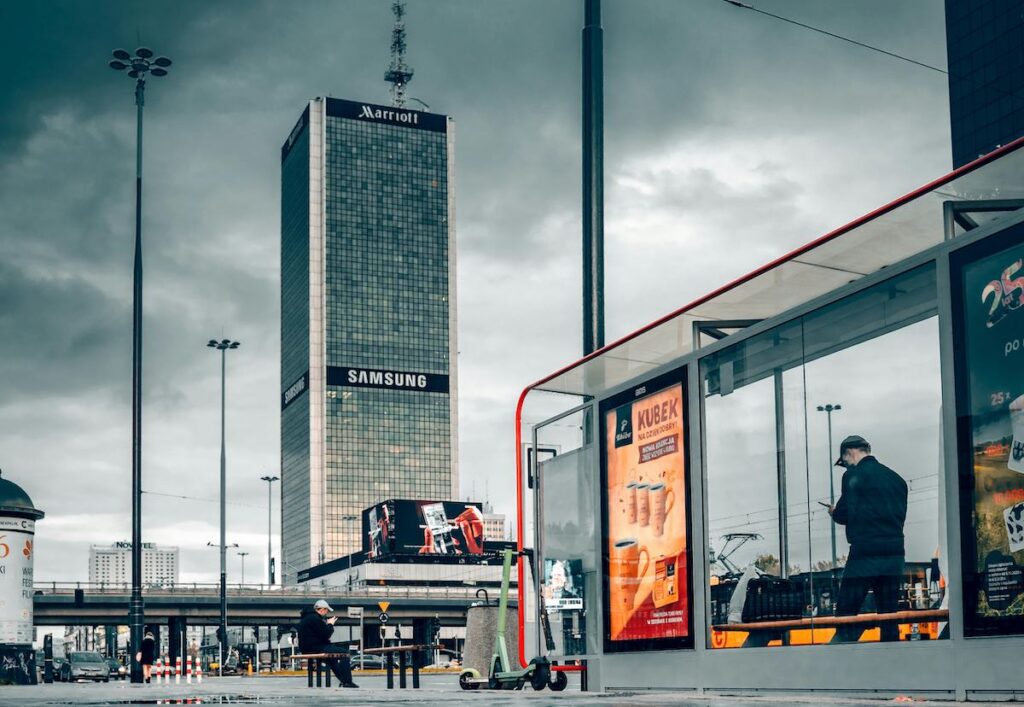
pixel 784 569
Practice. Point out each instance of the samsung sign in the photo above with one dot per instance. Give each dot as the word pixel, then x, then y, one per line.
pixel 392 380
pixel 295 390
pixel 387 114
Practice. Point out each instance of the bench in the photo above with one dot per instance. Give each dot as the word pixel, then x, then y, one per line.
pixel 761 633
pixel 317 662
pixel 403 655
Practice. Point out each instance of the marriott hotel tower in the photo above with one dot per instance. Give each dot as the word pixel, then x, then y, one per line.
pixel 368 350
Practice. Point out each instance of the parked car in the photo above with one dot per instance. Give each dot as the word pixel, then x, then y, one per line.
pixel 369 662
pixel 117 670
pixel 58 664
pixel 85 665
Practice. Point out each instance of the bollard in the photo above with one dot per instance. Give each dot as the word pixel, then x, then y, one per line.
pixel 199 671
pixel 177 670
pixel 154 671
pixel 188 671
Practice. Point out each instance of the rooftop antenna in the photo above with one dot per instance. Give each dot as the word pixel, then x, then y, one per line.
pixel 398 74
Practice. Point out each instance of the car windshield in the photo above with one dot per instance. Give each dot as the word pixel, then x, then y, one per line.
pixel 86 657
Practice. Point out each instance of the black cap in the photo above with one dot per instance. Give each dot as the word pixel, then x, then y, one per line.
pixel 851 442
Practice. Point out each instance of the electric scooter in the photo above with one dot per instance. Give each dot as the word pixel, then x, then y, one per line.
pixel 501 676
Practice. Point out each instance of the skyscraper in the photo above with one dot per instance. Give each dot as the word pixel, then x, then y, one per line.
pixel 368 337
pixel 986 75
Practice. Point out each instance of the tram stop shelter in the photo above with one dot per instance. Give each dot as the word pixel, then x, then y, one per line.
pixel 673 487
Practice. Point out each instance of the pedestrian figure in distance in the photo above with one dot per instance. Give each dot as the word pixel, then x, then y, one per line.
pixel 147 654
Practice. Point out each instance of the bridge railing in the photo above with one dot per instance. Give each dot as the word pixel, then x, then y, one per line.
pixel 256 590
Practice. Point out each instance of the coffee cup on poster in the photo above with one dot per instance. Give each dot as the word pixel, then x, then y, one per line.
pixel 1016 458
pixel 629 498
pixel 626 571
pixel 661 501
pixel 643 505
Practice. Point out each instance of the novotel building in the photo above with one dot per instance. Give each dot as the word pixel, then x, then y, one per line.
pixel 368 337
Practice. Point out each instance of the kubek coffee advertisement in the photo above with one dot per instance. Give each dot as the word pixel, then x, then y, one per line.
pixel 993 350
pixel 646 559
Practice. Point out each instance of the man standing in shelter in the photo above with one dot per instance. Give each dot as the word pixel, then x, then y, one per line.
pixel 873 507
pixel 315 632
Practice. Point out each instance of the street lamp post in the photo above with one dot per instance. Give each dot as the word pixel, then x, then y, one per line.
pixel 138 67
pixel 223 346
pixel 828 409
pixel 224 602
pixel 270 556
pixel 242 555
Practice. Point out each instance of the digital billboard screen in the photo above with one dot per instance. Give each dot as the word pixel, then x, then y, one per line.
pixel 416 527
pixel 646 518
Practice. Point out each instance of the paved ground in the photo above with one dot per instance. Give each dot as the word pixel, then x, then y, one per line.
pixel 436 689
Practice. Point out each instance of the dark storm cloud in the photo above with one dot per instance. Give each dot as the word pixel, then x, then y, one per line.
pixel 730 138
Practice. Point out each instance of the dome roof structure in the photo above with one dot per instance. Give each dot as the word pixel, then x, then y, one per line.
pixel 15 502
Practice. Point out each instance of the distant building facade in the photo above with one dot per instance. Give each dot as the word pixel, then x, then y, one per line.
pixel 985 58
pixel 495 527
pixel 368 336
pixel 112 564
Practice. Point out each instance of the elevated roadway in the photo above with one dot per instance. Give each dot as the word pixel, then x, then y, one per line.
pixel 82 604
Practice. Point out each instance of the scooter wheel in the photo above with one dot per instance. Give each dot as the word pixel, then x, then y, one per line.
pixel 539 676
pixel 466 680
pixel 559 682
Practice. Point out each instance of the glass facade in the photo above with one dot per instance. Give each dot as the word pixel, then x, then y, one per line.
pixel 986 75
pixel 387 324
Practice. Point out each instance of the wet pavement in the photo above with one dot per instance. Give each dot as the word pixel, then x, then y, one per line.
pixel 435 689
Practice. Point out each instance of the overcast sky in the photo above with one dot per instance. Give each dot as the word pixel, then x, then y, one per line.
pixel 730 139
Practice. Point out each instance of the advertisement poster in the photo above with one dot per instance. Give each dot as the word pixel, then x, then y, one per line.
pixel 646 521
pixel 563 585
pixel 992 340
pixel 408 527
pixel 16 536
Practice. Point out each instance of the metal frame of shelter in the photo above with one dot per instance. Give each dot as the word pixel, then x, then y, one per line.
pixel 926 227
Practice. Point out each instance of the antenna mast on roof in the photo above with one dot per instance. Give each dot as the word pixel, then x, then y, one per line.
pixel 398 74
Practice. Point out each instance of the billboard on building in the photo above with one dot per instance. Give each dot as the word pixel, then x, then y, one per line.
pixel 988 289
pixel 409 527
pixel 645 514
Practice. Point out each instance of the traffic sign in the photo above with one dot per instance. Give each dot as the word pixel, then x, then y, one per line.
pixel 355 612
pixel 383 618
pixel 383 605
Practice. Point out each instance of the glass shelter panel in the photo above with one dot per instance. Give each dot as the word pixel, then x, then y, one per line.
pixel 569 567
pixel 805 549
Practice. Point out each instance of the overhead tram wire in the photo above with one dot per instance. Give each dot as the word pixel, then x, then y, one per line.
pixel 196 498
pixel 894 55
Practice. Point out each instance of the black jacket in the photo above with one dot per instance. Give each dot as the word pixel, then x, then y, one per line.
pixel 314 632
pixel 873 507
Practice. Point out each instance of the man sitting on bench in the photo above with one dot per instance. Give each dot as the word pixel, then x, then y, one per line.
pixel 315 632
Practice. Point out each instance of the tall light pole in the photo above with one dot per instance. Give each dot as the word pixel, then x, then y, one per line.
pixel 270 553
pixel 593 177
pixel 242 555
pixel 224 345
pixel 828 409
pixel 138 67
